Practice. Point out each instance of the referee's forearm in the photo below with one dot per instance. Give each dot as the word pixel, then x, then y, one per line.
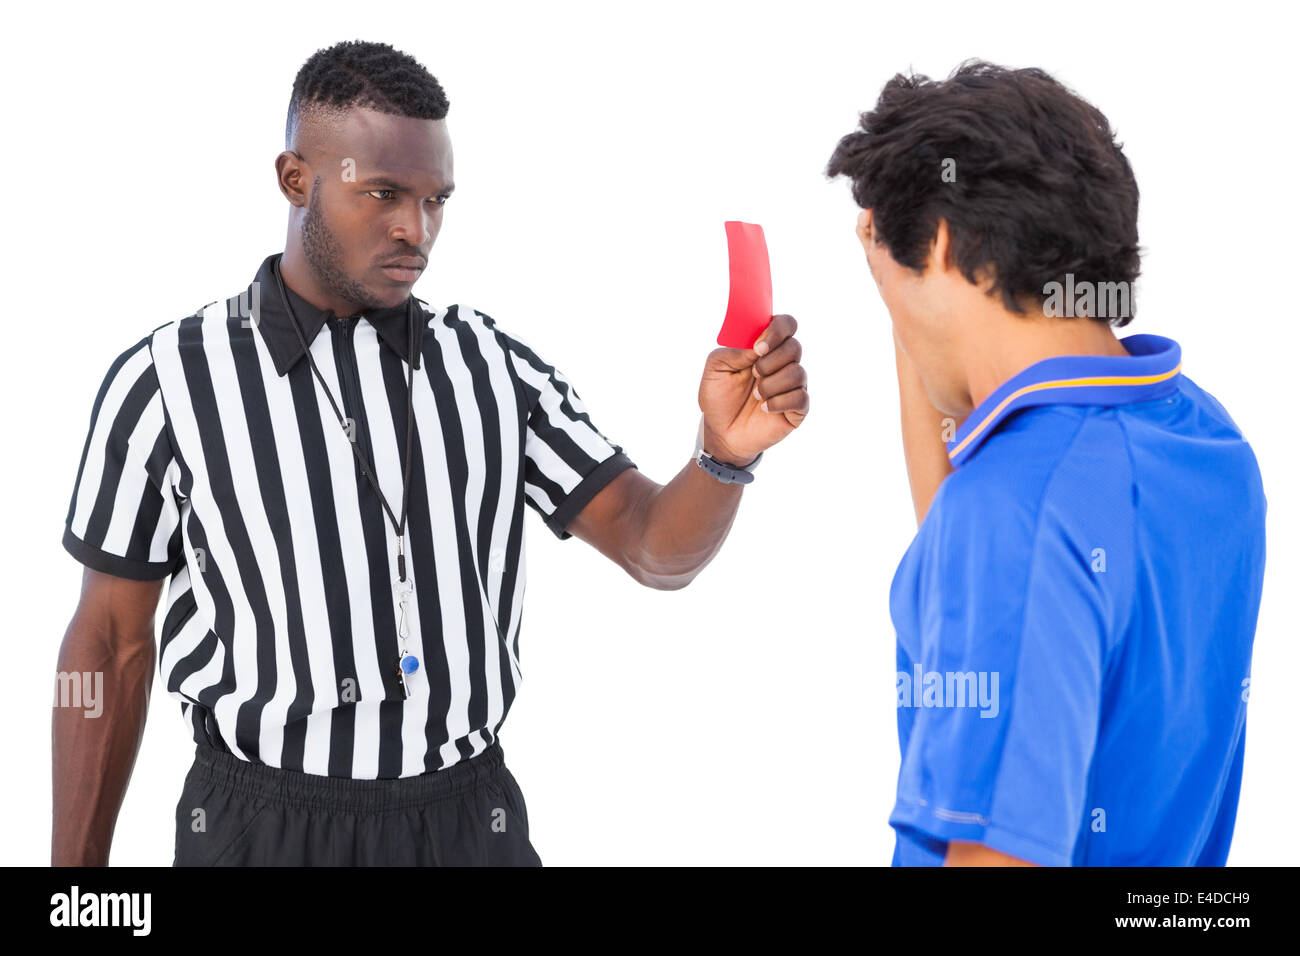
pixel 682 526
pixel 96 735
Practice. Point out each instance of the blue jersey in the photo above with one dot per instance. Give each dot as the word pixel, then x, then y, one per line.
pixel 1075 619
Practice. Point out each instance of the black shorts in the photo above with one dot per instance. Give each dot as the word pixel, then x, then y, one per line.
pixel 235 813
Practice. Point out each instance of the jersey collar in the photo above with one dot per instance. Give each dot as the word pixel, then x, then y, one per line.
pixel 1150 370
pixel 276 327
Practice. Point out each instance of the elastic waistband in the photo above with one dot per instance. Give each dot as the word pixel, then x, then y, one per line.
pixel 294 788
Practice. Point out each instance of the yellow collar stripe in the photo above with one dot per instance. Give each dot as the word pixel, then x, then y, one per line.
pixel 1062 383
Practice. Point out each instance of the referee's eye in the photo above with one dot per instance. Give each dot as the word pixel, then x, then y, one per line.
pixel 440 200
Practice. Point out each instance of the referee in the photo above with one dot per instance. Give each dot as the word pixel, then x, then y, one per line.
pixel 332 474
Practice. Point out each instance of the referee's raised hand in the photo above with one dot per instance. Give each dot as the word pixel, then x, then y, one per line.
pixel 752 398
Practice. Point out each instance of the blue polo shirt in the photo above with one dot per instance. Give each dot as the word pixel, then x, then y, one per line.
pixel 1075 619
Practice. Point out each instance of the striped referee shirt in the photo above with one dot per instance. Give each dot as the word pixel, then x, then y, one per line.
pixel 214 457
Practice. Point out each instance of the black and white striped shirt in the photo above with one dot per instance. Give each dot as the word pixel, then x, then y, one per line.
pixel 214 457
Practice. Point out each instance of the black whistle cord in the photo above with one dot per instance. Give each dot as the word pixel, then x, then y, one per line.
pixel 366 468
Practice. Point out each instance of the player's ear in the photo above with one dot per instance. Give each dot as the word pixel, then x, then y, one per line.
pixel 939 249
pixel 864 228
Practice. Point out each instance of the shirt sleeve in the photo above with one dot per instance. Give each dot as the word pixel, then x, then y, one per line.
pixel 567 459
pixel 1007 690
pixel 124 516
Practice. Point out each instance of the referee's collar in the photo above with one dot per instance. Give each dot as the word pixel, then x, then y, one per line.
pixel 1150 370
pixel 282 341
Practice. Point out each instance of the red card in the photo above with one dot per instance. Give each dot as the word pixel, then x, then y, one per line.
pixel 749 307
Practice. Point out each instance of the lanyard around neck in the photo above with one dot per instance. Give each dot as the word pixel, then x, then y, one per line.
pixel 366 468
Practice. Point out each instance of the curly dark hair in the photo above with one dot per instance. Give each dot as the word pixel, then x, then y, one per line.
pixel 373 75
pixel 1041 187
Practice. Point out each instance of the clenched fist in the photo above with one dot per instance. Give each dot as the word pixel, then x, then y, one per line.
pixel 753 398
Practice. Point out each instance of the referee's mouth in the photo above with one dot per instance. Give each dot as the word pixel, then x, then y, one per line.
pixel 404 270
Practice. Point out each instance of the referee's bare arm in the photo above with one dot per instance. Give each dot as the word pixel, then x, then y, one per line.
pixel 111 633
pixel 664 535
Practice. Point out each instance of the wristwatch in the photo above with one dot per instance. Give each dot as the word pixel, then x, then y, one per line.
pixel 726 473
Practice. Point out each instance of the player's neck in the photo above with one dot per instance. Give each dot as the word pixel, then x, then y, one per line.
pixel 1011 343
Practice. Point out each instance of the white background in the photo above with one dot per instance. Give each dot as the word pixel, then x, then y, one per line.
pixel 750 717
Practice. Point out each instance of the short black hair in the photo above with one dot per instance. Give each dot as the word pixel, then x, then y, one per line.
pixel 1041 187
pixel 355 73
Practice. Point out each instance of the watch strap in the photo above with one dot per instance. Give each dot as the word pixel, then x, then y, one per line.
pixel 724 471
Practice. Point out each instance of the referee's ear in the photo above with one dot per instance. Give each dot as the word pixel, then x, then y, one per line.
pixel 292 175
